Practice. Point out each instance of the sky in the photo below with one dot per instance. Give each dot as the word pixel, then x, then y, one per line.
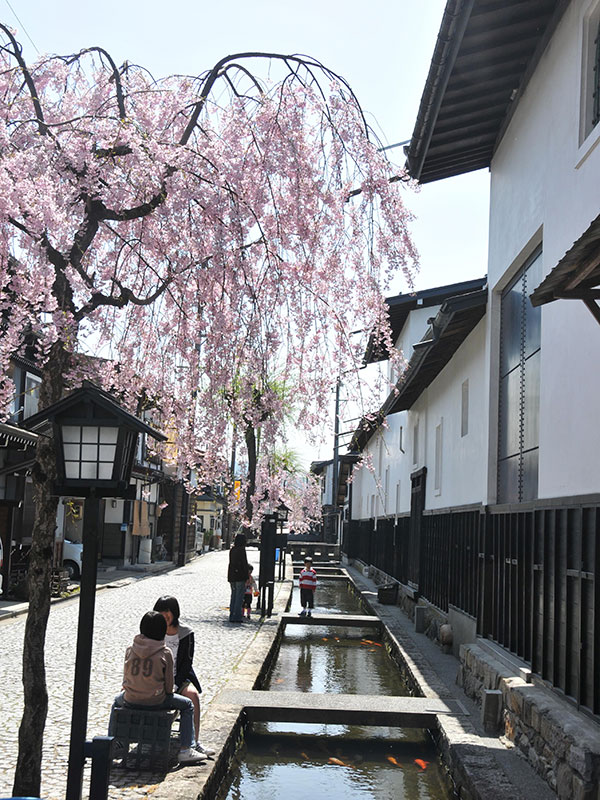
pixel 382 48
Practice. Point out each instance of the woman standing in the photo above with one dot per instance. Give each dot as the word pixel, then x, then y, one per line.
pixel 237 575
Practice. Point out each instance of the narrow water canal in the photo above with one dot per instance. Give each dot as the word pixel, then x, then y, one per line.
pixel 296 761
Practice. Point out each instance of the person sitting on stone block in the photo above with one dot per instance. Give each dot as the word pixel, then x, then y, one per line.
pixel 148 683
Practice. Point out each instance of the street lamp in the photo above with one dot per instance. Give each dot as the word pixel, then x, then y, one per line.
pixel 283 513
pixel 95 442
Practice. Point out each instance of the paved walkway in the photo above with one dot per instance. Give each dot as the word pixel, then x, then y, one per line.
pixel 203 592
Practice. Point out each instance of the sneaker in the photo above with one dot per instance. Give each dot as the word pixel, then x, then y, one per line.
pixel 207 751
pixel 302 613
pixel 309 614
pixel 191 756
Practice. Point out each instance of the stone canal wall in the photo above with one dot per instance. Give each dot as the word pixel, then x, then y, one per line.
pixel 561 744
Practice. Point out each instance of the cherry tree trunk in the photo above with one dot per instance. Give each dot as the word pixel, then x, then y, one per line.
pixel 250 437
pixel 31 731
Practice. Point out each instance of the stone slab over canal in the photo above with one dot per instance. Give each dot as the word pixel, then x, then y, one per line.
pixel 337 620
pixel 341 709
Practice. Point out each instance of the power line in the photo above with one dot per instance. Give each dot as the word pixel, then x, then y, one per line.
pixel 387 147
pixel 22 26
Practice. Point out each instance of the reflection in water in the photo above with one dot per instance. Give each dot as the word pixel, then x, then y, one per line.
pixel 291 761
pixel 299 767
pixel 304 668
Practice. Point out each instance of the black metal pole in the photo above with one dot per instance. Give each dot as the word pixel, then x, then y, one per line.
pixel 99 751
pixel 83 657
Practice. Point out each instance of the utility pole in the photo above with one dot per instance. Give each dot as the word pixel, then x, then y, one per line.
pixel 336 458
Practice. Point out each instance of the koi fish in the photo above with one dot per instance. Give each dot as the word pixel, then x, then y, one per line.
pixel 337 761
pixel 304 756
pixel 393 761
pixel 420 763
pixel 279 680
pixel 372 650
pixel 324 639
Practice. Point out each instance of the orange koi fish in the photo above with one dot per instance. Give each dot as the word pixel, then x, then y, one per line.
pixel 279 680
pixel 393 761
pixel 420 763
pixel 304 756
pixel 337 761
pixel 324 639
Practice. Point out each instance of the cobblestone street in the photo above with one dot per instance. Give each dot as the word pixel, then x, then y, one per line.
pixel 203 592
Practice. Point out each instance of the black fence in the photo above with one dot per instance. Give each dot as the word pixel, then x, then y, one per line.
pixel 529 575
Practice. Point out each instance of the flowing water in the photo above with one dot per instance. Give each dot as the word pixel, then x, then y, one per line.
pixel 292 760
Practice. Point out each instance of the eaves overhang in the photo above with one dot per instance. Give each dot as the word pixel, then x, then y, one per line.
pixel 13 435
pixel 485 55
pixel 577 274
pixel 347 461
pixel 400 305
pixel 455 320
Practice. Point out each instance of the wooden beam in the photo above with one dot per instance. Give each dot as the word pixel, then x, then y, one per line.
pixel 584 270
pixel 593 307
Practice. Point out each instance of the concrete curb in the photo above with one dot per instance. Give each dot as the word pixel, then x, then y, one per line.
pixel 222 724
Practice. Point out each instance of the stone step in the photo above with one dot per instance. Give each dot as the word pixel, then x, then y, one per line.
pixel 340 620
pixel 341 709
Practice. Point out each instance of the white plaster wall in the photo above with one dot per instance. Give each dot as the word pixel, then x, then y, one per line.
pixel 545 188
pixel 464 458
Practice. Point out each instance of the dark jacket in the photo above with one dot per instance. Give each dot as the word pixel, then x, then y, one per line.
pixel 238 564
pixel 184 670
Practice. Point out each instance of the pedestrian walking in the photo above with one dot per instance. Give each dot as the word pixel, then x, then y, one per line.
pixel 307 581
pixel 148 683
pixel 180 641
pixel 250 591
pixel 237 574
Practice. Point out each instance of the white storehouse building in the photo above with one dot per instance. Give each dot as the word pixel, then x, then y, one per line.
pixel 484 501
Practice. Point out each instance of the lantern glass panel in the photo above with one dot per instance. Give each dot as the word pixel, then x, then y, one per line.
pixel 109 435
pixel 89 470
pixel 105 471
pixel 71 470
pixel 89 433
pixel 71 433
pixel 89 452
pixel 71 452
pixel 107 452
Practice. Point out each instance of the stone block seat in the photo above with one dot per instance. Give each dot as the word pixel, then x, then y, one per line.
pixel 150 730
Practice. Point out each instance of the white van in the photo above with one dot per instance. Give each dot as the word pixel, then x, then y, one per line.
pixel 72 558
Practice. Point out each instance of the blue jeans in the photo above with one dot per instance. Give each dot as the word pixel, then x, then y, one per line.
pixel 182 704
pixel 238 589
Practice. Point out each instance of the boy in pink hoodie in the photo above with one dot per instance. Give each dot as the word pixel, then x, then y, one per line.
pixel 148 683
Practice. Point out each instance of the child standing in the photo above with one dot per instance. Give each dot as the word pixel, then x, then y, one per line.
pixel 148 683
pixel 250 591
pixel 308 583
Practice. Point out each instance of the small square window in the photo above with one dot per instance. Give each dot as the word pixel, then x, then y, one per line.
pixel 464 409
pixel 416 444
pixel 437 485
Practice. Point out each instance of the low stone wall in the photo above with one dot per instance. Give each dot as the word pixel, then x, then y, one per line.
pixel 562 744
pixel 432 618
